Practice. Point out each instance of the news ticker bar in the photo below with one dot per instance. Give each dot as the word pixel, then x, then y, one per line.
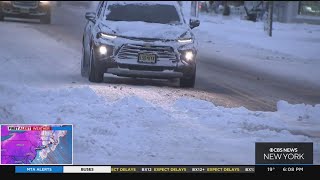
pixel 134 169
pixel 293 169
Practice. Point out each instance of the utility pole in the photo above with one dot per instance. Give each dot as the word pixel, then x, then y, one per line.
pixel 269 19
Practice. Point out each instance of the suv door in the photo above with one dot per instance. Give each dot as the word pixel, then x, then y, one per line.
pixel 86 41
pixel 88 33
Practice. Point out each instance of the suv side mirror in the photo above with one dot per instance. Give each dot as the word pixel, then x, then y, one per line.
pixel 91 16
pixel 194 23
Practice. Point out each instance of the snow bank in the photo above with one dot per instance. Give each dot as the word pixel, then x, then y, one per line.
pixel 292 52
pixel 300 40
pixel 132 130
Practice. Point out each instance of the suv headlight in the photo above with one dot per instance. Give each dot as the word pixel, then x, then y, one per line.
pixel 44 2
pixel 107 36
pixel 188 40
pixel 103 50
pixel 187 56
pixel 185 38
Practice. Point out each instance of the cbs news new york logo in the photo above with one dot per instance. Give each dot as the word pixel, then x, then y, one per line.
pixel 284 153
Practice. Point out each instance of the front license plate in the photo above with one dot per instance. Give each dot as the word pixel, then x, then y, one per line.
pixel 147 58
pixel 24 10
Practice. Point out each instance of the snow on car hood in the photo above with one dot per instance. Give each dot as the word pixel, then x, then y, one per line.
pixel 144 30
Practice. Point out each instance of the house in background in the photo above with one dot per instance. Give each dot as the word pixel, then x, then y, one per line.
pixel 293 11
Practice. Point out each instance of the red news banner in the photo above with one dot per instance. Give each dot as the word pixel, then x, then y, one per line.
pixel 29 128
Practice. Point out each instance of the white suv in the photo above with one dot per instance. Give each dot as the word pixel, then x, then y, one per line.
pixel 139 39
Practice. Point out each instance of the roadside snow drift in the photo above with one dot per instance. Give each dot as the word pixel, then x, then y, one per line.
pixel 291 53
pixel 132 130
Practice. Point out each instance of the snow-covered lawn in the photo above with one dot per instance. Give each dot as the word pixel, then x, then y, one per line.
pixel 292 52
pixel 127 127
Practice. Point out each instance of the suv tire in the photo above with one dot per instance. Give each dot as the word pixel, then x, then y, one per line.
pixel 46 19
pixel 1 14
pixel 95 71
pixel 189 80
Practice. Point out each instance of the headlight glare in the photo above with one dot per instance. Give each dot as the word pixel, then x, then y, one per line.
pixel 189 55
pixel 44 2
pixel 103 50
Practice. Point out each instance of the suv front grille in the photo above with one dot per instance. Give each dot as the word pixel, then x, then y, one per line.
pixel 131 51
pixel 27 4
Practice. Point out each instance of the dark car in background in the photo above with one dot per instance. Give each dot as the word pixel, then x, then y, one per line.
pixel 144 39
pixel 26 9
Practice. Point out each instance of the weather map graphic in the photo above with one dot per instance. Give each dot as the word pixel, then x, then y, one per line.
pixel 36 144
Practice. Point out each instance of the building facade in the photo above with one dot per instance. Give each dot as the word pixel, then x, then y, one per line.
pixel 293 11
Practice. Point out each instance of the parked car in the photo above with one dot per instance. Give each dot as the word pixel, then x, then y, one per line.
pixel 147 39
pixel 26 9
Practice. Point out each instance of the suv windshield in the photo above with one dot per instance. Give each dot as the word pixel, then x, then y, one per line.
pixel 164 14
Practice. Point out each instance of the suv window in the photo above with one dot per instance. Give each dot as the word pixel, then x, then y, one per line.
pixel 158 13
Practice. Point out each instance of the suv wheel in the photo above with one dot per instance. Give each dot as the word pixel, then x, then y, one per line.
pixel 84 68
pixel 46 19
pixel 188 81
pixel 1 15
pixel 95 71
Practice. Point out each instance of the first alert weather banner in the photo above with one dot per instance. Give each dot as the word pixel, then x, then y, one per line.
pixel 36 144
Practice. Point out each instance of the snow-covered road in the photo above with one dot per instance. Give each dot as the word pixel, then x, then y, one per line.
pixel 226 73
pixel 118 122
